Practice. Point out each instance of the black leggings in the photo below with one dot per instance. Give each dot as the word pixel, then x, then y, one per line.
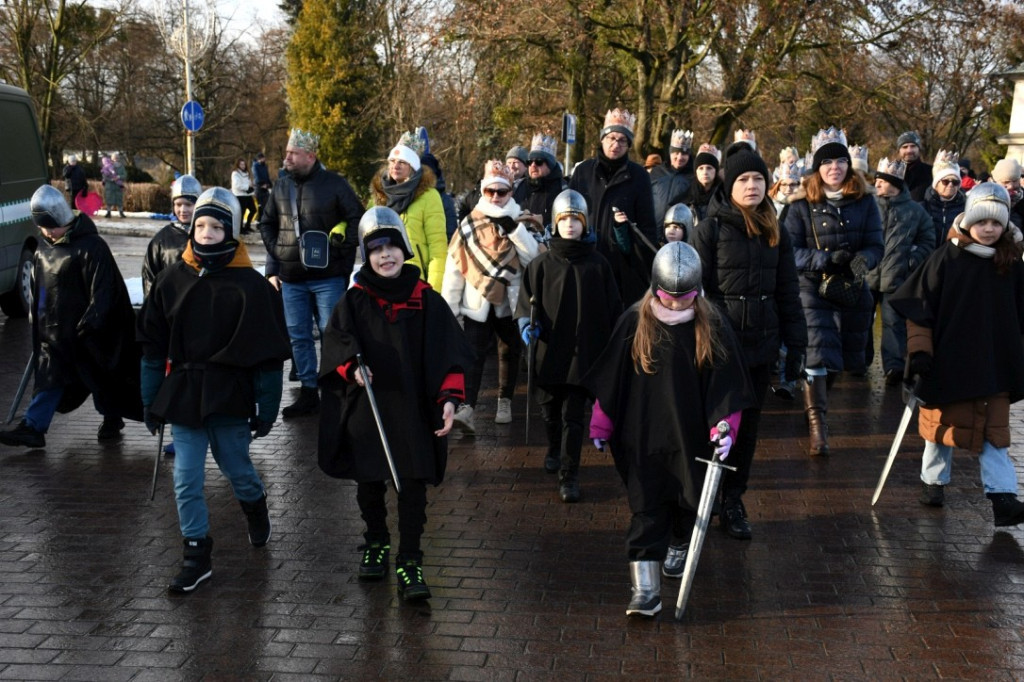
pixel 248 205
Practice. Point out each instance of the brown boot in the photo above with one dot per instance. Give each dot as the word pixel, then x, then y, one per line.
pixel 816 407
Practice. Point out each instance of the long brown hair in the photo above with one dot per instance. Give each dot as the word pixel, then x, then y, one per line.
pixel 650 333
pixel 761 220
pixel 853 187
pixel 1007 252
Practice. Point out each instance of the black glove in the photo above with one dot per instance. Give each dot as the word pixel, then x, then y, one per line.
pixel 794 365
pixel 859 266
pixel 336 239
pixel 259 427
pixel 837 262
pixel 920 363
pixel 153 422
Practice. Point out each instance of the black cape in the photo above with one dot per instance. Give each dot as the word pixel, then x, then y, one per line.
pixel 409 358
pixel 84 324
pixel 662 421
pixel 977 318
pixel 164 250
pixel 577 305
pixel 217 330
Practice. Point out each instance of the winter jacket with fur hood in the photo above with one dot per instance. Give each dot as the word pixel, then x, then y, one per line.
pixel 424 221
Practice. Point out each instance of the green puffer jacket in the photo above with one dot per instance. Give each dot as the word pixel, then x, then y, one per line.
pixel 424 223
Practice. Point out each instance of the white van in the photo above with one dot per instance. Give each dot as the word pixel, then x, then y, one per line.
pixel 22 171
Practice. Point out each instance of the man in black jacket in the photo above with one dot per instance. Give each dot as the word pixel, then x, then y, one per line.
pixel 919 174
pixel 74 179
pixel 308 228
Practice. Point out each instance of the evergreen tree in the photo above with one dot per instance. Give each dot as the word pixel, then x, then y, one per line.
pixel 333 74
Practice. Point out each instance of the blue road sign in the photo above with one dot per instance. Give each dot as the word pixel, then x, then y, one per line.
pixel 192 115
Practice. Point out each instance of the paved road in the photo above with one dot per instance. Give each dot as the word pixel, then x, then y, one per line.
pixel 525 587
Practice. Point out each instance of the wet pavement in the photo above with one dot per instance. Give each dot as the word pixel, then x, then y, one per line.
pixel 525 587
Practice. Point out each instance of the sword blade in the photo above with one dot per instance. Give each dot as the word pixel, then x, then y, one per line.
pixel 908 413
pixel 380 424
pixel 156 463
pixel 700 530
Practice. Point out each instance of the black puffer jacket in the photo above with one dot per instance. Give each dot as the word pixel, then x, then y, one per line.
pixel 84 325
pixel 754 283
pixel 324 199
pixel 669 190
pixel 909 238
pixel 537 196
pixel 943 212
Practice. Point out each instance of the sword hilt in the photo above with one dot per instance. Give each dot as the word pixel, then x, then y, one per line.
pixel 711 462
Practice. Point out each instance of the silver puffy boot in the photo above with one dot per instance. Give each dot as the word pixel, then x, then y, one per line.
pixel 675 560
pixel 646 579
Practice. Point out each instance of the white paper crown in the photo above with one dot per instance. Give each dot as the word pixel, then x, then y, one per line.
pixel 859 158
pixel 682 139
pixel 544 143
pixel 744 135
pixel 788 152
pixel 496 171
pixel 789 171
pixel 824 137
pixel 620 117
pixel 302 139
pixel 710 149
pixel 413 141
pixel 896 167
pixel 947 158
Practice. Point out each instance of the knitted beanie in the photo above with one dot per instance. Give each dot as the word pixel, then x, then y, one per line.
pixel 987 200
pixel 738 159
pixel 1006 170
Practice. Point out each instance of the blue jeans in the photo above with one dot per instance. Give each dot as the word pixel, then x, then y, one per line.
pixel 44 404
pixel 997 472
pixel 228 438
pixel 894 337
pixel 302 302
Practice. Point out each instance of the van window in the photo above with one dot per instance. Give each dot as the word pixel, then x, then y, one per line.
pixel 20 161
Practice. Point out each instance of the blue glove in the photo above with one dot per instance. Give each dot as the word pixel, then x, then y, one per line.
pixel 530 333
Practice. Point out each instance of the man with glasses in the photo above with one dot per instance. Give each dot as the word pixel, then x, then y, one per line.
pixel 944 200
pixel 544 179
pixel 919 173
pixel 618 193
pixel 672 187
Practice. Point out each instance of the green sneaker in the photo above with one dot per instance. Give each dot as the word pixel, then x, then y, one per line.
pixel 374 565
pixel 411 586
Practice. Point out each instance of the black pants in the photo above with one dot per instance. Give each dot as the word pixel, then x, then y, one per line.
pixel 480 335
pixel 658 519
pixel 262 196
pixel 734 483
pixel 412 514
pixel 248 205
pixel 562 409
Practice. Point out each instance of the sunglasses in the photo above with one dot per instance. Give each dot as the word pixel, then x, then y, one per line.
pixel 538 162
pixel 950 181
pixel 501 192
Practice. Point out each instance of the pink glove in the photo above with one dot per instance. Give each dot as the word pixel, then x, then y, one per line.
pixel 722 440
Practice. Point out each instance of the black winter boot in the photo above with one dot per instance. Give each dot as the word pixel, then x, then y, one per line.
pixel 308 403
pixel 569 485
pixel 196 565
pixel 1006 508
pixel 25 435
pixel 258 517
pixel 110 429
pixel 734 518
pixel 553 457
pixel 374 565
pixel 932 495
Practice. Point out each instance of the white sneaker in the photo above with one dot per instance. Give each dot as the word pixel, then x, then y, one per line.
pixel 464 419
pixel 503 415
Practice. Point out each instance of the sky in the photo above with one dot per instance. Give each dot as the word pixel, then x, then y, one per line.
pixel 237 16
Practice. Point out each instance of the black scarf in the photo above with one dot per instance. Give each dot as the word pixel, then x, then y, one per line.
pixel 400 194
pixel 609 167
pixel 570 249
pixel 214 257
pixel 391 289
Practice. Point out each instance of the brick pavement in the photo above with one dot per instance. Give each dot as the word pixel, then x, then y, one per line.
pixel 525 587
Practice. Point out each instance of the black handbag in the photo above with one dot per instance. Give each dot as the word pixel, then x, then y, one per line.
pixel 839 289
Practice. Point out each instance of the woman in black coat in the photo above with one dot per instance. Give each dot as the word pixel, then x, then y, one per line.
pixel 749 271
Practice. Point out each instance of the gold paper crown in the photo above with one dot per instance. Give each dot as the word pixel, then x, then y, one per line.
pixel 682 139
pixel 823 137
pixel 947 158
pixel 859 158
pixel 896 167
pixel 620 117
pixel 302 139
pixel 710 149
pixel 786 153
pixel 413 141
pixel 495 170
pixel 789 171
pixel 544 143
